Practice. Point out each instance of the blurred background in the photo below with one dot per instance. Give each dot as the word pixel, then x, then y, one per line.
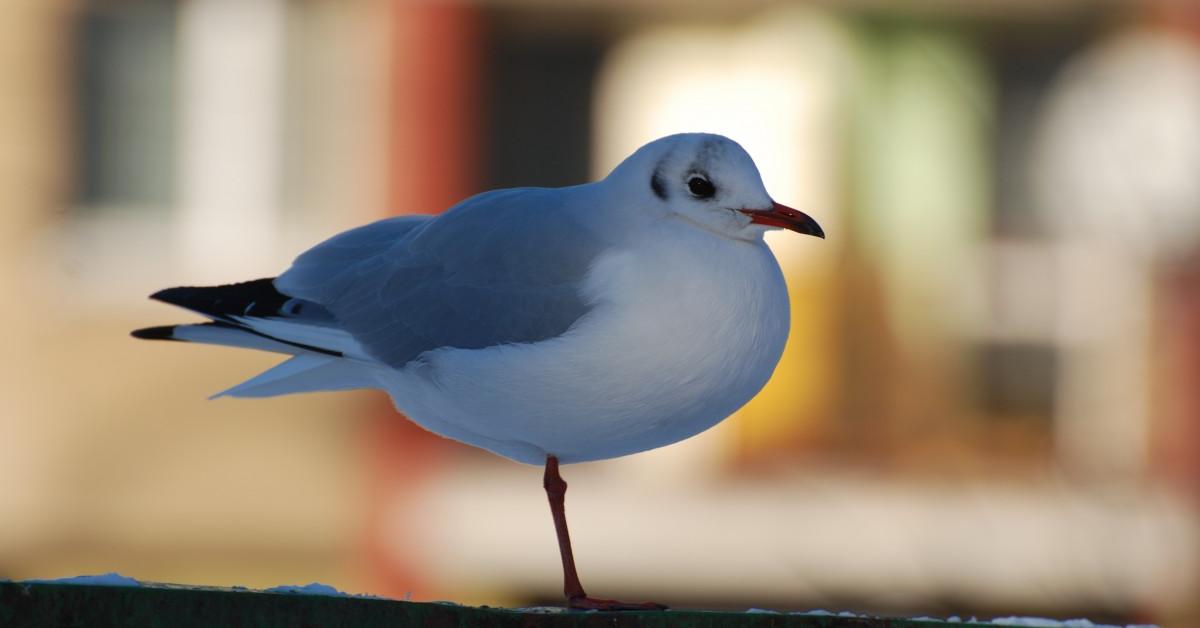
pixel 990 403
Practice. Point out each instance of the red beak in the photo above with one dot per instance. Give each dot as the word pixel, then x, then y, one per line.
pixel 785 217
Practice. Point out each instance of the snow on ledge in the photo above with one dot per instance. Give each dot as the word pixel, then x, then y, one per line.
pixel 1038 622
pixel 118 580
pixel 317 588
pixel 111 579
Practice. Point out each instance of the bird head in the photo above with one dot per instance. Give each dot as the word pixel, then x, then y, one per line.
pixel 710 181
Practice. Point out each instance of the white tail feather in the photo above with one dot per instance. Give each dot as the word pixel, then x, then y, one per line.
pixel 230 337
pixel 322 336
pixel 304 373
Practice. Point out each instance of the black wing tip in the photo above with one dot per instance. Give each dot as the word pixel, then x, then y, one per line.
pixel 228 299
pixel 164 295
pixel 179 293
pixel 163 332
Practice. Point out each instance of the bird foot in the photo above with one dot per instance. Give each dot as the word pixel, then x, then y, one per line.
pixel 587 603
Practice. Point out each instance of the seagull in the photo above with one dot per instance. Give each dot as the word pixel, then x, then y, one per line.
pixel 546 325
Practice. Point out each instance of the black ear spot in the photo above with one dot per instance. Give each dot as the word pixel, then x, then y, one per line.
pixel 700 186
pixel 656 184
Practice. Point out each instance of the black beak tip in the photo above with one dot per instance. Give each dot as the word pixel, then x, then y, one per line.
pixel 813 229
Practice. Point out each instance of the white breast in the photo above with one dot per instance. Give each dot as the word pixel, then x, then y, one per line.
pixel 687 327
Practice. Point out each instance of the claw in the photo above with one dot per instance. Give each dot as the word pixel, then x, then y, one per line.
pixel 587 603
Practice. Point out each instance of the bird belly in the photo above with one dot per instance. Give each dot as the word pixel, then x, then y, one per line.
pixel 664 355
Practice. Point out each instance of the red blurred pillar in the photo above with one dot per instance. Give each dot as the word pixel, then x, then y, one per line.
pixel 1177 441
pixel 1178 438
pixel 435 149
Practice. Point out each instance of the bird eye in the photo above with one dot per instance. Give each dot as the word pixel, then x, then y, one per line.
pixel 701 187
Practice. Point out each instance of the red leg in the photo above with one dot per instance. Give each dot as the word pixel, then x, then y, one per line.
pixel 556 491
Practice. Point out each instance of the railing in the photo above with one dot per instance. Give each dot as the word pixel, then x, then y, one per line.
pixel 46 605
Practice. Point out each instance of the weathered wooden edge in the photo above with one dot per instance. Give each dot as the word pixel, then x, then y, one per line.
pixel 56 605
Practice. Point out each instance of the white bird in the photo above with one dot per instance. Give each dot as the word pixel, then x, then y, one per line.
pixel 544 325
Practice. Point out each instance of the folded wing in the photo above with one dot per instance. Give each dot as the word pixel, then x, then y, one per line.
pixel 503 267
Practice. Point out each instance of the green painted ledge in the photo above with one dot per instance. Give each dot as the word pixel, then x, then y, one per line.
pixel 53 605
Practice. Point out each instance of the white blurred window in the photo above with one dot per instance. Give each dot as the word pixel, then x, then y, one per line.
pixel 177 144
pixel 190 118
pixel 124 81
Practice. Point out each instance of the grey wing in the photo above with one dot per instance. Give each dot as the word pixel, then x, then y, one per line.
pixel 503 267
